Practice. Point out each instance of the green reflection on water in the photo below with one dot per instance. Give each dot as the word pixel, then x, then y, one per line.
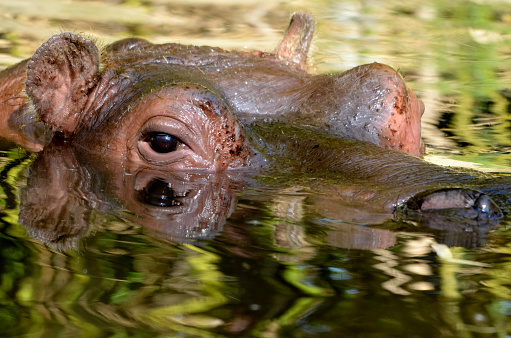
pixel 471 57
pixel 121 282
pixel 211 288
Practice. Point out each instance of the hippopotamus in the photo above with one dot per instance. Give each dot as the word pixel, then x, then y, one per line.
pixel 170 108
pixel 77 92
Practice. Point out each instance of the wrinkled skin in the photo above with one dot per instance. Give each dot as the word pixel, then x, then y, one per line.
pixel 73 97
pixel 202 112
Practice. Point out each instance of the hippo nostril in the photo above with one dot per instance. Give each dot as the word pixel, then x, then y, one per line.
pixel 483 202
pixel 464 203
pixel 486 208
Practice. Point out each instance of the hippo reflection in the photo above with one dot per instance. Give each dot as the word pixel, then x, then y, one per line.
pixel 202 113
pixel 67 187
pixel 63 191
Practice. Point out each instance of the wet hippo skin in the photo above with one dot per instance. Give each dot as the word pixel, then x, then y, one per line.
pixel 369 103
pixel 175 108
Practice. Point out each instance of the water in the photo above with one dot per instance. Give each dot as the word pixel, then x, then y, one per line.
pixel 280 260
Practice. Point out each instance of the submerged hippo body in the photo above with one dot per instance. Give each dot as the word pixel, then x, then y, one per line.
pixel 174 108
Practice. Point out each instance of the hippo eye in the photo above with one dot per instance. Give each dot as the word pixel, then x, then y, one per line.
pixel 162 143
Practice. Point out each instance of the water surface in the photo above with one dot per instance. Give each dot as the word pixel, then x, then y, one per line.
pixel 265 259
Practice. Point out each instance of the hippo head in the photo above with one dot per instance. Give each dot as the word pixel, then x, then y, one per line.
pixel 145 114
pixel 152 114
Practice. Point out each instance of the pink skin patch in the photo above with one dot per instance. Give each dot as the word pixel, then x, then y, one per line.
pixel 403 130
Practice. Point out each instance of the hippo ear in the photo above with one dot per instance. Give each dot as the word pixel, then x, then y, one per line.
pixel 60 77
pixel 295 45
